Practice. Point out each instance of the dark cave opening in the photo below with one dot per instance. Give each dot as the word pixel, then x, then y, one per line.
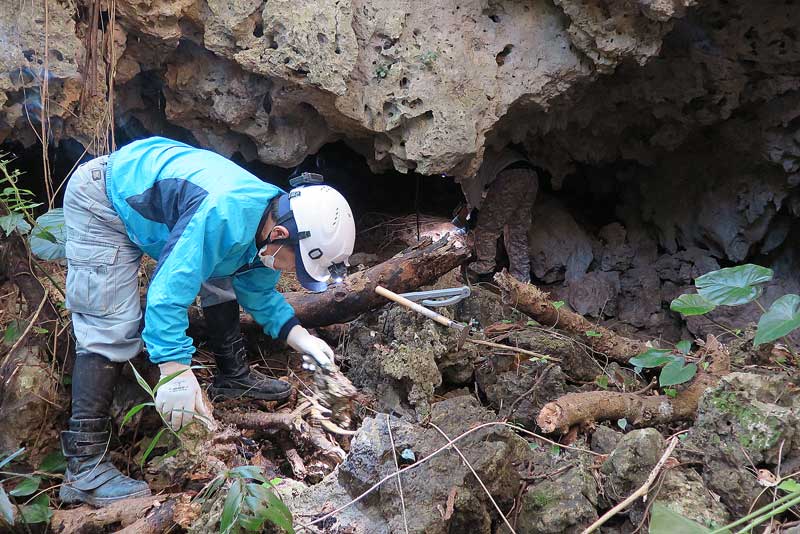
pixel 390 193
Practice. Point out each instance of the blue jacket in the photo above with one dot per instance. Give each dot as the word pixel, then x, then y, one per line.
pixel 197 213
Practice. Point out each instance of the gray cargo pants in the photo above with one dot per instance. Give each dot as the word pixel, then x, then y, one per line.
pixel 103 268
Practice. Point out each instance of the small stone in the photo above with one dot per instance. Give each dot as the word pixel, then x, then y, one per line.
pixel 631 462
pixel 605 439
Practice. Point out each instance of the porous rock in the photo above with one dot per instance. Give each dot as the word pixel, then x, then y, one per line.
pixel 518 394
pixel 631 462
pixel 495 453
pixel 566 503
pixel 747 419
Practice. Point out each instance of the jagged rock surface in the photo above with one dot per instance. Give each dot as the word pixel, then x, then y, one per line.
pixel 675 118
pixel 747 419
pixel 495 453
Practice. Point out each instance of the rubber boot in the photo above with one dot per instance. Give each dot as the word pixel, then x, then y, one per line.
pixel 91 478
pixel 234 377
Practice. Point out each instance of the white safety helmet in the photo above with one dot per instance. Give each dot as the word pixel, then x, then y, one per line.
pixel 322 232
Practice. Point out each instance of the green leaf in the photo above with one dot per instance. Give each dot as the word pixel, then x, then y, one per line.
pixel 684 346
pixel 27 487
pixel 279 514
pixel 558 304
pixel 252 524
pixel 691 304
pixel 734 285
pixel 671 392
pixel 781 318
pixel 231 508
pixel 248 471
pixel 531 323
pixel 14 221
pixel 622 423
pixel 593 333
pixel 48 239
pixel 38 511
pixel 665 521
pixel 789 485
pixel 170 454
pixel 676 373
pixel 6 508
pixel 142 382
pixel 602 381
pixel 152 446
pixel 5 461
pixel 14 329
pixel 54 463
pixel 275 481
pixel 133 411
pixel 652 358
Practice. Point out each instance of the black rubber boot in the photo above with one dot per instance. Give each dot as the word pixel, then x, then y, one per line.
pixel 234 377
pixel 91 478
pixel 480 278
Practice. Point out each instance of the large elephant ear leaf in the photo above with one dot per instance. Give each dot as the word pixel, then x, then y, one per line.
pixel 781 318
pixel 691 304
pixel 49 235
pixel 733 285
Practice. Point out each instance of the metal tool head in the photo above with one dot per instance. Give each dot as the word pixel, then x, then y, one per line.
pixel 439 297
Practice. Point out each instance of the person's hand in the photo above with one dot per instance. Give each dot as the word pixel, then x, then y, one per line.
pixel 181 398
pixel 315 351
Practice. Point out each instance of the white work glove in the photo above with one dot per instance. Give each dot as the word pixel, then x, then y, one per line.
pixel 181 398
pixel 315 351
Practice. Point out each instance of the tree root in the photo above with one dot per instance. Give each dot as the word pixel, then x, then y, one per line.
pixel 304 433
pixel 536 304
pixel 133 515
pixel 639 410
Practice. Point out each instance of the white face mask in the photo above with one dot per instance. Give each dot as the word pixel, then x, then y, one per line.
pixel 268 259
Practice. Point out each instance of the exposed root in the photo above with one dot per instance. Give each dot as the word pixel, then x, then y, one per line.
pixel 309 435
pixel 535 303
pixel 267 421
pixel 639 410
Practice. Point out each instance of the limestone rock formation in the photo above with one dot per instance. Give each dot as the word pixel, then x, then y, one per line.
pixel 667 129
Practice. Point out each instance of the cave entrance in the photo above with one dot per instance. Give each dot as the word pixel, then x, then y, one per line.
pixel 389 198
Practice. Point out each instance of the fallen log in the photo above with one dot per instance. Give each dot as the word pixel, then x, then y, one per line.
pixel 639 410
pixel 536 304
pixel 415 267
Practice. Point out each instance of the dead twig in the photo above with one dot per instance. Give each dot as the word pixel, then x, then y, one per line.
pixel 638 493
pixel 513 349
pixel 397 468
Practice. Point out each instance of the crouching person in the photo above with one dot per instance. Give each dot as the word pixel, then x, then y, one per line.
pixel 217 231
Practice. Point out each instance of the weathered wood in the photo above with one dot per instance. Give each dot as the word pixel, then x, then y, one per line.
pixel 638 410
pixel 535 303
pixel 418 266
pixel 122 514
